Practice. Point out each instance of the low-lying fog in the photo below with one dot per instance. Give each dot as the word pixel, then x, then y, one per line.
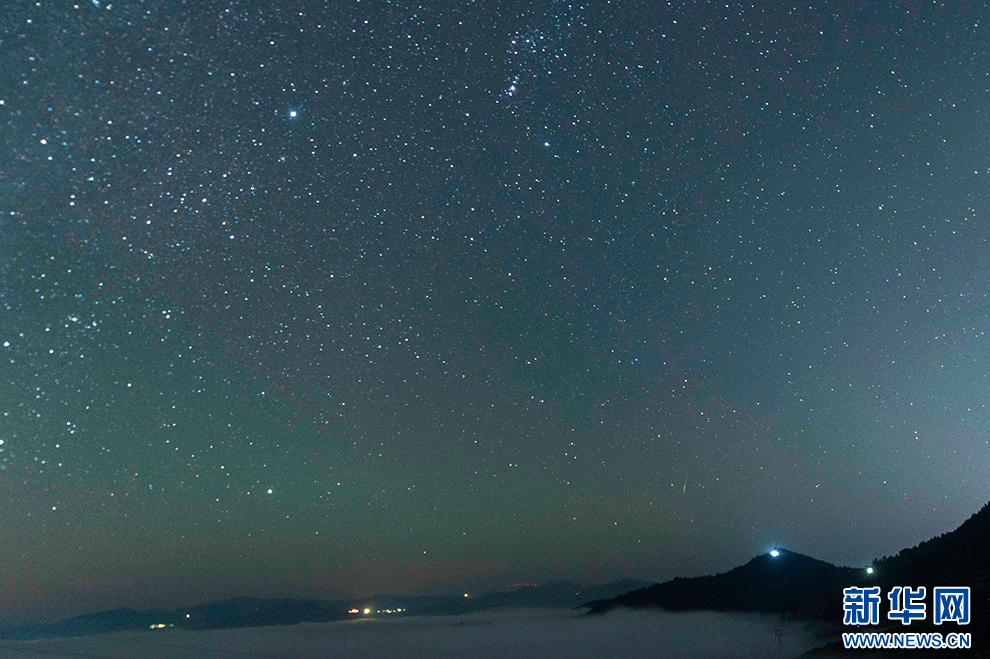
pixel 491 635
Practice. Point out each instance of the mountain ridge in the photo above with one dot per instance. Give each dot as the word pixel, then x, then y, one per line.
pixel 795 585
pixel 245 611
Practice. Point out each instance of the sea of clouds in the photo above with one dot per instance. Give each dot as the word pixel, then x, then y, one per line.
pixel 490 635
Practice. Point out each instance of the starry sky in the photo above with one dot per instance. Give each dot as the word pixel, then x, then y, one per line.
pixel 307 299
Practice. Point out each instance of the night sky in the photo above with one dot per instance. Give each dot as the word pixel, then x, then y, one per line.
pixel 307 299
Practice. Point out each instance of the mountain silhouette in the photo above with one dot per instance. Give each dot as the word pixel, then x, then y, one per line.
pixel 253 612
pixel 788 583
pixel 801 586
pixel 957 558
pixel 551 595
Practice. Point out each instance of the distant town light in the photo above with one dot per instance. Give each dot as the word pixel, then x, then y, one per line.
pixel 869 570
pixel 367 611
pixel 774 553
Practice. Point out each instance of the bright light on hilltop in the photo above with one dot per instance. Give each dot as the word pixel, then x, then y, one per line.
pixel 869 570
pixel 774 553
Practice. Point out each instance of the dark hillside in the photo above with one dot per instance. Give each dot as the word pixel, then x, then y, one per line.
pixel 802 586
pixel 788 583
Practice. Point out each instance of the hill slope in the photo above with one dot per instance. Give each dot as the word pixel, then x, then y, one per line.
pixel 788 583
pixel 799 585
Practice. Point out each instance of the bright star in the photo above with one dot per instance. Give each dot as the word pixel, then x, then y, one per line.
pixel 292 114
